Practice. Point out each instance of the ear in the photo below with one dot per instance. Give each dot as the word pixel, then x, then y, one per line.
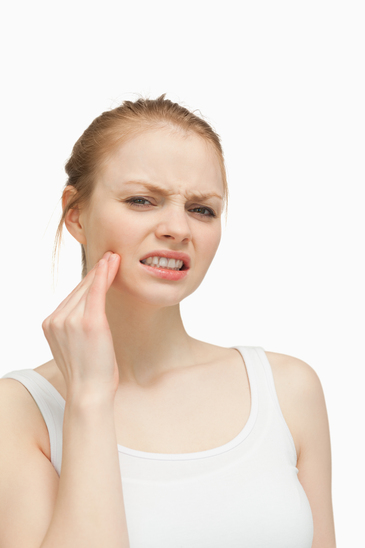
pixel 73 220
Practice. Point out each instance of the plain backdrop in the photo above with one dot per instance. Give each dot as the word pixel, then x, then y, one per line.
pixel 283 84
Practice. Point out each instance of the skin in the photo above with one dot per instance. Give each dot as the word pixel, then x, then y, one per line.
pixel 144 311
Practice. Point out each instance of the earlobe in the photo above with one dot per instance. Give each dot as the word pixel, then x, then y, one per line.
pixel 72 219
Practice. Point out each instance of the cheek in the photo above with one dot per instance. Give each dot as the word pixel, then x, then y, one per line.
pixel 112 231
pixel 209 243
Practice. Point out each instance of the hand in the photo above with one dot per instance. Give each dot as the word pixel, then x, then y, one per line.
pixel 79 336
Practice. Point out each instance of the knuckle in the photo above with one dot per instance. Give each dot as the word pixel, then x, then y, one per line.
pixel 55 323
pixel 45 325
pixel 72 322
pixel 89 325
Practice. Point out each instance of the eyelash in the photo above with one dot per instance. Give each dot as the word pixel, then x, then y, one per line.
pixel 131 201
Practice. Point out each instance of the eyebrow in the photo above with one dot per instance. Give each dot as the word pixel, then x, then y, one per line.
pixel 166 192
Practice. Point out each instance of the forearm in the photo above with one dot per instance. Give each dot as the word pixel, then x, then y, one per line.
pixel 89 510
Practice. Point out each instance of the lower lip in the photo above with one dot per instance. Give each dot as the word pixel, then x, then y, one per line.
pixel 164 273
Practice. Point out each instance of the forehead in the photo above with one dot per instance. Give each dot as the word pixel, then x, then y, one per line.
pixel 176 162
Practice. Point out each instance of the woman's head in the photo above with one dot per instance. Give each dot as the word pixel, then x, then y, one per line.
pixel 163 144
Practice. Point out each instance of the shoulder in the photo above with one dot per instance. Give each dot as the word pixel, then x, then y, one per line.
pixel 293 374
pixel 16 408
pixel 14 397
pixel 300 396
pixel 20 418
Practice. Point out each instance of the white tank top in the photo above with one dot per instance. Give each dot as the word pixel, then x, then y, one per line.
pixel 243 494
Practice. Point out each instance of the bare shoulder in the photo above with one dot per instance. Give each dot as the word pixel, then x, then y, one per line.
pixel 16 403
pixel 294 377
pixel 293 370
pixel 300 394
pixel 21 419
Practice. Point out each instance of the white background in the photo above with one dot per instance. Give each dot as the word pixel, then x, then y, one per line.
pixel 283 84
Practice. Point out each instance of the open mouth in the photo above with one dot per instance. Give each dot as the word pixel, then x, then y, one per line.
pixel 163 266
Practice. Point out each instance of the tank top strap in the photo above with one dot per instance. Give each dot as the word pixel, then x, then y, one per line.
pixel 263 388
pixel 51 406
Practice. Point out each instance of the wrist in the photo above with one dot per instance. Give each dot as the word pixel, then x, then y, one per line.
pixel 89 397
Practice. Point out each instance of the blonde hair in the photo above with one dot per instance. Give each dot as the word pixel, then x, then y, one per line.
pixel 110 130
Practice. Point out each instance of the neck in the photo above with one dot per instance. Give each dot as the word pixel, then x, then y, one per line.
pixel 148 340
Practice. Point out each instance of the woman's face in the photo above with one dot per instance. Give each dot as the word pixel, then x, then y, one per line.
pixel 167 219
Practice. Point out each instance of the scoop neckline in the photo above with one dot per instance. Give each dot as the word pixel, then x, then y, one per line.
pixel 196 454
pixel 215 450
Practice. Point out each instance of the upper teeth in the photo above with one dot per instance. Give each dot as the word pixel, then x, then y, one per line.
pixel 163 262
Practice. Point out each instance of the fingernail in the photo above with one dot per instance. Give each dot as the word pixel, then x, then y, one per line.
pixel 113 257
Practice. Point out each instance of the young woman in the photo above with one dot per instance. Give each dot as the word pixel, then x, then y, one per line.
pixel 136 434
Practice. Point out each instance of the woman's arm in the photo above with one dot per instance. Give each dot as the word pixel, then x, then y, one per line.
pixel 89 509
pixel 84 507
pixel 303 405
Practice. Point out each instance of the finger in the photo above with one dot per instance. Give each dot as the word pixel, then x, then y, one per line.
pixel 113 264
pixel 95 297
pixel 78 291
pixel 104 276
pixel 110 272
pixel 75 295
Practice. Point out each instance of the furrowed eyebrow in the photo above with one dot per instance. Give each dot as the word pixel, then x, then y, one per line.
pixel 166 192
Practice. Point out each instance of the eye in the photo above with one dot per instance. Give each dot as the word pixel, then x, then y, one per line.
pixel 210 212
pixel 134 200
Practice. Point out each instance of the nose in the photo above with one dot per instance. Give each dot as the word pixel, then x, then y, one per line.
pixel 174 224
